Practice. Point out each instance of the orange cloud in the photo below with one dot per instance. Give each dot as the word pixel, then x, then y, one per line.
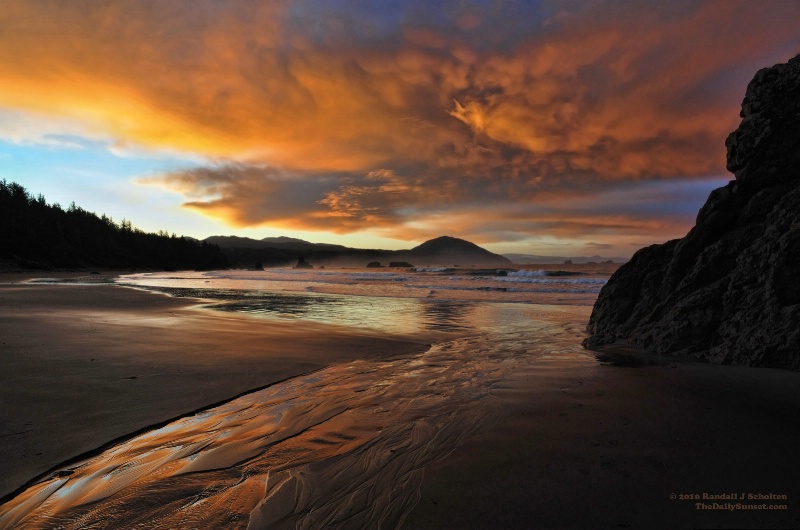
pixel 248 195
pixel 297 104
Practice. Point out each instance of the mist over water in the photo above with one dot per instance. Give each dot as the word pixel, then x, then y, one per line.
pixel 345 446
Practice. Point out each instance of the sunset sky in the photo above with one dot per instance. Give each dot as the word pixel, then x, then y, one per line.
pixel 554 128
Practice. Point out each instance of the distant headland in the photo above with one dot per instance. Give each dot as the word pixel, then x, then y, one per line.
pixel 41 236
pixel 38 235
pixel 443 251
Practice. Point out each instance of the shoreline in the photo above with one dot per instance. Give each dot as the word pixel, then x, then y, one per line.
pixel 128 436
pixel 84 365
pixel 587 439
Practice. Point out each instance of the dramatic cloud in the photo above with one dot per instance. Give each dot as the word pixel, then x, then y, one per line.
pixel 250 195
pixel 406 119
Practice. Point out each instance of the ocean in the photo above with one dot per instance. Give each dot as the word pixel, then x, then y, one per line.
pixel 345 446
pixel 392 300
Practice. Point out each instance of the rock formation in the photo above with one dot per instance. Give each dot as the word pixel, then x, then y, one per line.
pixel 729 291
pixel 303 264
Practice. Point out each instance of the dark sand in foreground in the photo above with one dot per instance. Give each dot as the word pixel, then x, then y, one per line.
pixel 81 365
pixel 603 446
pixel 583 445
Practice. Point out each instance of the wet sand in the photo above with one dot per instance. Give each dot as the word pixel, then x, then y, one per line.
pixel 586 445
pixel 576 444
pixel 82 365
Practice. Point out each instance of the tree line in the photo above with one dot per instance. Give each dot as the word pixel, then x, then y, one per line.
pixel 35 234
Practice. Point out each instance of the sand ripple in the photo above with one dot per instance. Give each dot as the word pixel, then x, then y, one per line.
pixel 345 446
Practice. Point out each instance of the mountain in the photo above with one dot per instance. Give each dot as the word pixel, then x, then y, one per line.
pixel 284 251
pixel 283 242
pixel 299 244
pixel 533 259
pixel 729 291
pixel 451 251
pixel 234 242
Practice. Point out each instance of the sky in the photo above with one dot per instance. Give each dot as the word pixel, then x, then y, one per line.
pixel 564 128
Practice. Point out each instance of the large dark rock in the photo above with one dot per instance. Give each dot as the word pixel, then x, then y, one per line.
pixel 729 291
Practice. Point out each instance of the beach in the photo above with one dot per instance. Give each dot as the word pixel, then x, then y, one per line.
pixel 83 365
pixel 557 438
pixel 605 446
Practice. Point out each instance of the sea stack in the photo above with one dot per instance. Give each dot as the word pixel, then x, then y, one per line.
pixel 729 291
pixel 303 264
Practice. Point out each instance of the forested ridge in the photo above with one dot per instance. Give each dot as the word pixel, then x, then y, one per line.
pixel 35 234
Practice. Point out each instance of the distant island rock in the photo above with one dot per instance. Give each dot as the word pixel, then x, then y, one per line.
pixel 303 264
pixel 392 264
pixel 729 291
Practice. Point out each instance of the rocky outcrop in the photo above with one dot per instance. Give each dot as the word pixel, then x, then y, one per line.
pixel 303 264
pixel 729 291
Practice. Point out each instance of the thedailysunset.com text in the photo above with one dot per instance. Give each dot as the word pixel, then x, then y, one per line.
pixel 731 497
pixel 738 506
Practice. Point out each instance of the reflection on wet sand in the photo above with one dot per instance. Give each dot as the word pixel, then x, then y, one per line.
pixel 341 447
pixel 344 446
pixel 447 315
pixel 393 315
